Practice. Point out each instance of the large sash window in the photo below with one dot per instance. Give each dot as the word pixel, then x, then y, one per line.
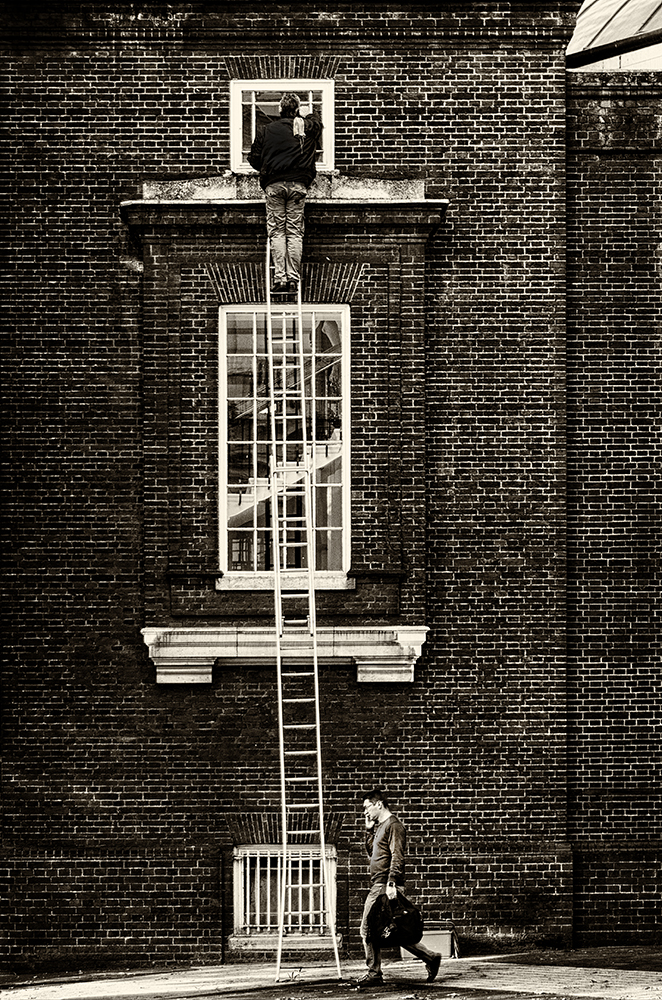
pixel 245 542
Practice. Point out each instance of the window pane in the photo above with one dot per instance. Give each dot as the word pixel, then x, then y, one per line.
pixel 261 333
pixel 239 333
pixel 240 376
pixel 240 420
pixel 328 423
pixel 264 560
pixel 247 135
pixel 263 426
pixel 240 463
pixel 262 468
pixel 293 453
pixel 241 551
pixel 330 469
pixel 327 376
pixel 327 333
pixel 263 507
pixel 240 507
pixel 328 507
pixel 328 550
pixel 296 556
pixel 262 388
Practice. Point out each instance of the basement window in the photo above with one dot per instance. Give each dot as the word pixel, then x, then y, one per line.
pixel 245 521
pixel 254 103
pixel 257 886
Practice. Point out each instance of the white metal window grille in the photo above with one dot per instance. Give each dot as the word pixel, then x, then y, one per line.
pixel 253 103
pixel 245 542
pixel 257 886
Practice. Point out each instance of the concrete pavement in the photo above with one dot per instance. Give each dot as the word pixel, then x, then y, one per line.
pixel 460 978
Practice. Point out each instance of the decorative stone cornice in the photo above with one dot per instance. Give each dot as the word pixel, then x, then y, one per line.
pixel 398 221
pixel 187 656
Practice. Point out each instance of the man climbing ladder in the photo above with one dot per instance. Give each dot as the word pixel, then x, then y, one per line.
pixel 284 153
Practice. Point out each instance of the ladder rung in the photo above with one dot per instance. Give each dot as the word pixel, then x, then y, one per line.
pixel 303 805
pixel 300 753
pixel 299 725
pixel 292 780
pixel 298 673
pixel 292 594
pixel 297 701
pixel 300 833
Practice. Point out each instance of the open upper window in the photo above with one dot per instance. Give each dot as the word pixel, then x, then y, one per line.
pixel 253 103
pixel 245 541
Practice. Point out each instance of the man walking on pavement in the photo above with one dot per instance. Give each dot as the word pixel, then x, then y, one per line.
pixel 386 841
pixel 284 153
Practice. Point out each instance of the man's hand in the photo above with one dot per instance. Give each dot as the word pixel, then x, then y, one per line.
pixel 391 890
pixel 369 823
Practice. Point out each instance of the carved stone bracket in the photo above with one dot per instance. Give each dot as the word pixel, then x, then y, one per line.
pixel 187 656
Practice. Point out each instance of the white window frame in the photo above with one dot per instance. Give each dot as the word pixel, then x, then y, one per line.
pixel 237 163
pixel 256 914
pixel 335 579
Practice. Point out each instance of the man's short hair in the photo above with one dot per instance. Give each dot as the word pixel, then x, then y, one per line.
pixel 289 105
pixel 377 795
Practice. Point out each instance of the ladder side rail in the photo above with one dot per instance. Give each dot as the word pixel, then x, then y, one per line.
pixel 309 453
pixel 303 485
pixel 275 547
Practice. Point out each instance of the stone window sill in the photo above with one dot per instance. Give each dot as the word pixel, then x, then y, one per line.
pixel 265 581
pixel 269 942
pixel 382 655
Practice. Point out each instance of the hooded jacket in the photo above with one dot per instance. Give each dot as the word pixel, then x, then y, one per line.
pixel 280 155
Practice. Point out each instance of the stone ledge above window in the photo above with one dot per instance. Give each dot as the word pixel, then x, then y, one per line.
pixel 382 655
pixel 246 187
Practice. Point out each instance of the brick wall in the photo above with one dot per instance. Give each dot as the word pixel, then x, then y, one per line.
pixel 614 776
pixel 118 793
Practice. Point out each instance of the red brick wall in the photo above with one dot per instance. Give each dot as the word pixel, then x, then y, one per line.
pixel 117 792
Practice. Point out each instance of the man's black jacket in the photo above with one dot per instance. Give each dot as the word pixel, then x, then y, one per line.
pixel 279 155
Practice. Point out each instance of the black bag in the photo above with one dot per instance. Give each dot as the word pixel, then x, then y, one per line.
pixel 395 921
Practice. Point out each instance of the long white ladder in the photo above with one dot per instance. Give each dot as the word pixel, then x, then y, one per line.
pixel 293 545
